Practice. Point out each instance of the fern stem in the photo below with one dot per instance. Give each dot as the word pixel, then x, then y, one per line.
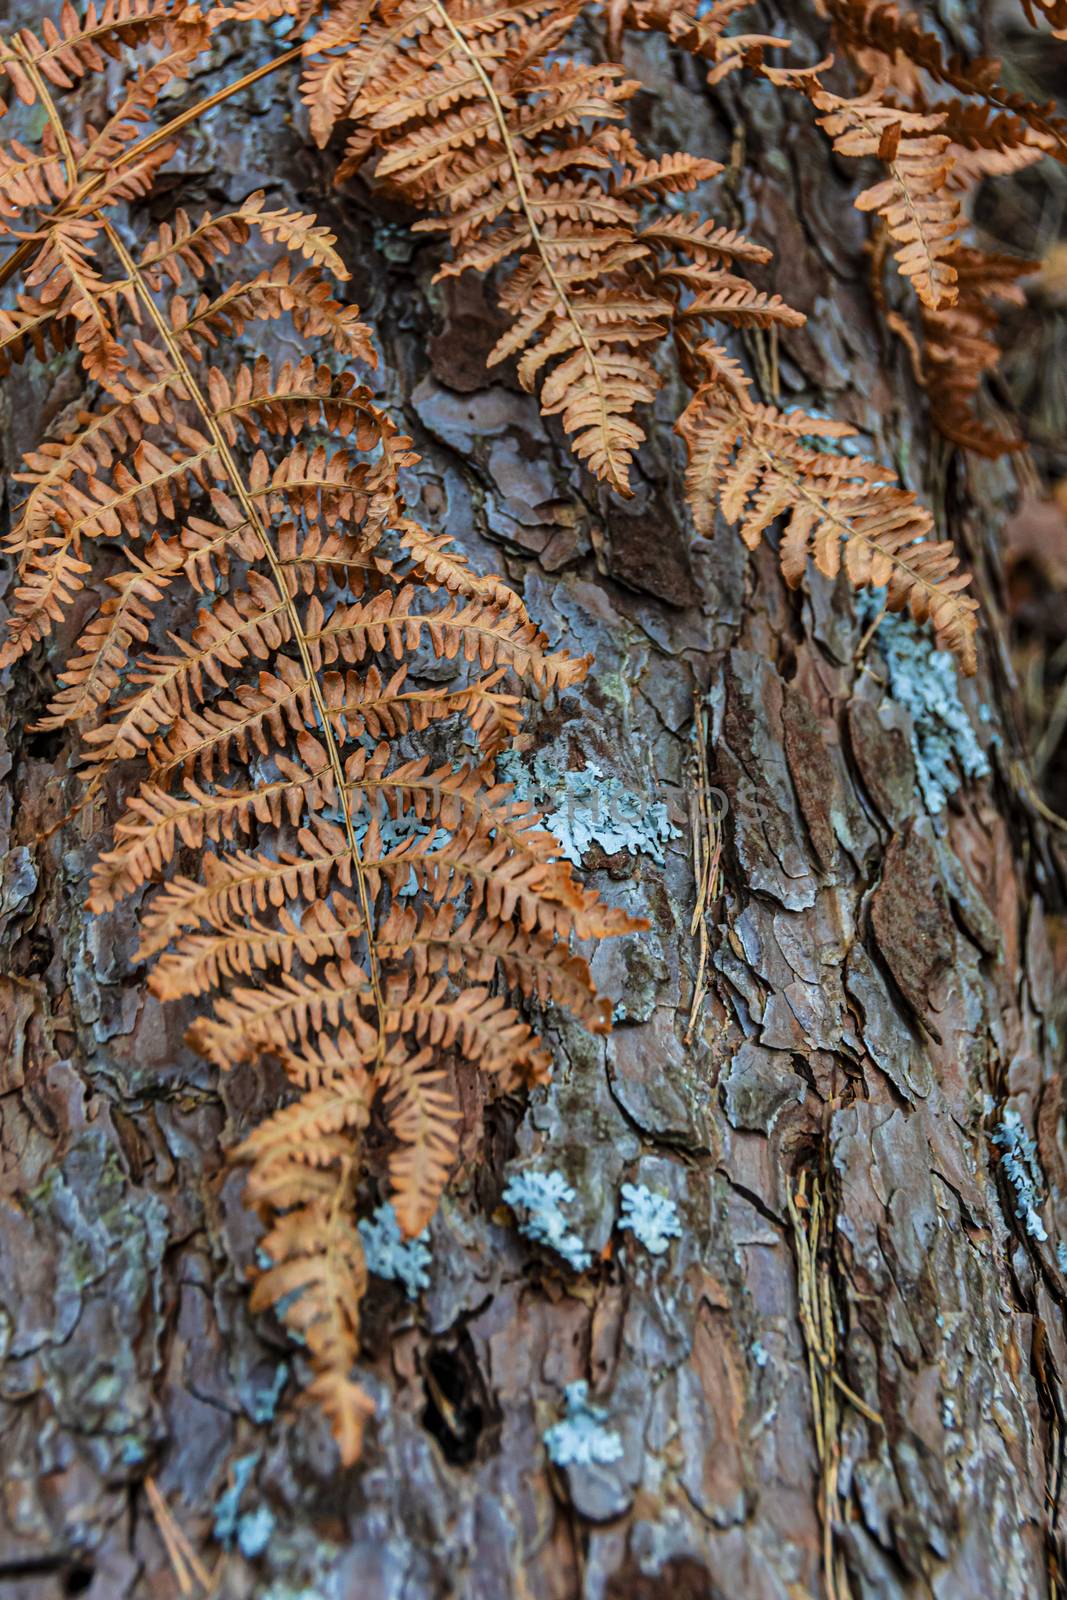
pixel 251 511
pixel 524 201
pixel 822 506
pixel 182 120
pixel 29 66
pixel 143 146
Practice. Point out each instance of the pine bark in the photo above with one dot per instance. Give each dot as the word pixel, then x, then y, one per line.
pixel 845 1378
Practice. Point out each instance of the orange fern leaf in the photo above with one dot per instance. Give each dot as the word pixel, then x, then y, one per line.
pixel 755 463
pixel 423 1116
pixel 913 200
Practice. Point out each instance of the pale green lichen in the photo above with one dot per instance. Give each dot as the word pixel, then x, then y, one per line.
pixel 651 1218
pixel 228 1504
pixel 925 681
pixel 1023 1171
pixel 254 1531
pixel 538 1199
pixel 581 1439
pixel 264 1402
pixel 390 1255
pixel 585 807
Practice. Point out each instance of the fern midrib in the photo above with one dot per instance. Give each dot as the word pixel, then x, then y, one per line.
pixel 932 261
pixel 230 800
pixel 16 48
pixel 823 508
pixel 618 479
pixel 252 514
pixel 254 1026
pixel 263 947
pixel 65 466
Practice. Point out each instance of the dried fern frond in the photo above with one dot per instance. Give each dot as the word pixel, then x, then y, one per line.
pixel 1053 12
pixel 361 912
pixel 698 27
pixel 756 464
pixel 37 67
pixel 991 132
pixel 960 347
pixel 474 112
pixel 914 200
pixel 986 143
pixel 884 39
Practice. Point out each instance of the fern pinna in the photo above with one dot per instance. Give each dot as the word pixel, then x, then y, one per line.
pixel 324 891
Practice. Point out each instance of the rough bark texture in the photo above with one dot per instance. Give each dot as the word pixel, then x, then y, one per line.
pixel 846 1377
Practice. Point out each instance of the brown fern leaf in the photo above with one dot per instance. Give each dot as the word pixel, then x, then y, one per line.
pixel 63 186
pixel 449 569
pixel 986 143
pixel 319 1271
pixel 960 347
pixel 755 463
pixel 69 285
pixel 422 1116
pixel 29 180
pixel 201 962
pixel 81 45
pixel 191 38
pixel 123 621
pixel 345 904
pixel 397 623
pixel 277 292
pixel 474 112
pixel 913 200
pixel 698 28
pixel 30 327
pixel 271 1017
pixel 476 1022
pixel 1053 12
pixel 692 259
pixel 537 966
pixel 886 40
pixel 183 247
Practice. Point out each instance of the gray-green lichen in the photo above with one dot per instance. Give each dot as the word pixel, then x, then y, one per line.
pixel 585 807
pixel 390 1255
pixel 925 681
pixel 1023 1171
pixel 538 1200
pixel 580 1439
pixel 652 1218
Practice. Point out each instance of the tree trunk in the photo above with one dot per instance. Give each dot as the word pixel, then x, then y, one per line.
pixel 846 1376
